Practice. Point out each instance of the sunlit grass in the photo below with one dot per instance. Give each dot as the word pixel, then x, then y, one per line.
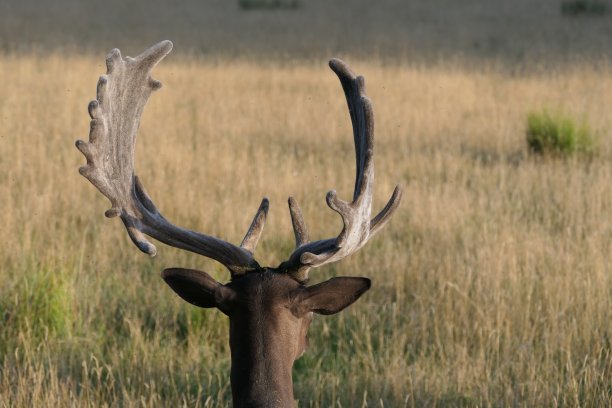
pixel 557 134
pixel 491 286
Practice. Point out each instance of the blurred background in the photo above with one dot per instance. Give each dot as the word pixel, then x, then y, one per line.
pixel 492 284
pixel 522 32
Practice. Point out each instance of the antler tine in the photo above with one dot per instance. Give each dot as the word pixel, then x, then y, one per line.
pixel 121 97
pixel 254 233
pixel 358 228
pixel 297 220
pixel 385 215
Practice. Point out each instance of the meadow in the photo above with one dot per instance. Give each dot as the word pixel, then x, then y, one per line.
pixel 492 285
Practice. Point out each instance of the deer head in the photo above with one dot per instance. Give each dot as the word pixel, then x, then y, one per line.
pixel 270 308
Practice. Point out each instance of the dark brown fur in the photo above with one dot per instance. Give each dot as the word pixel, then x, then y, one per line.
pixel 270 314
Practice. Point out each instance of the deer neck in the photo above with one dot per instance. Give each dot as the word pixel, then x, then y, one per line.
pixel 260 376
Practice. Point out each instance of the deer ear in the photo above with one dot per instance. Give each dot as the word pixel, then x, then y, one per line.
pixel 331 296
pixel 199 288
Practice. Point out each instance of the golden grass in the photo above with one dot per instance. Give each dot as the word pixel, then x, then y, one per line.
pixel 492 285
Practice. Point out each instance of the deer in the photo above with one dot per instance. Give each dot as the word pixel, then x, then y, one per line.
pixel 270 309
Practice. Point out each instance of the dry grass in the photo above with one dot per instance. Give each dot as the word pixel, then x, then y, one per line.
pixel 492 285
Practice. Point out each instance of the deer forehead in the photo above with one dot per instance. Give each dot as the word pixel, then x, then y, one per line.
pixel 265 288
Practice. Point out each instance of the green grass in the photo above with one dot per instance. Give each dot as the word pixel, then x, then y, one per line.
pixel 556 133
pixel 38 305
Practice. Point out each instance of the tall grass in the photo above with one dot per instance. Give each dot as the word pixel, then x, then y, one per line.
pixel 491 287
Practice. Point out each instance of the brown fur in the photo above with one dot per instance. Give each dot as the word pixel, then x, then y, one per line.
pixel 270 314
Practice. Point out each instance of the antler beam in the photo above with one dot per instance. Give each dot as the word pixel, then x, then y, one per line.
pixel 121 97
pixel 358 228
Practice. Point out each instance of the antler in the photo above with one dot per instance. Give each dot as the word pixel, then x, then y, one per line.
pixel 121 96
pixel 358 228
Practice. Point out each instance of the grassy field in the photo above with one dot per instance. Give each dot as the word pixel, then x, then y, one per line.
pixel 491 287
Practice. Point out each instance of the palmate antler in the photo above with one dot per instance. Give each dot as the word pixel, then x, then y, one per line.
pixel 358 228
pixel 122 95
